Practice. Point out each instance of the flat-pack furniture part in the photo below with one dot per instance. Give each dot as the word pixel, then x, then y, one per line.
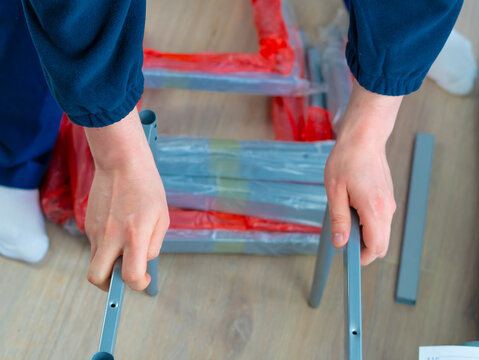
pixel 114 304
pixel 312 199
pixel 213 220
pixel 239 242
pixel 290 202
pixel 413 238
pixel 275 70
pixel 286 161
pixel 335 71
pixel 306 118
pixel 352 281
pixel 112 314
pixel 313 56
pixel 117 285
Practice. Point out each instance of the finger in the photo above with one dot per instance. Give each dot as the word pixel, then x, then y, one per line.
pixel 376 218
pixel 367 256
pixel 375 236
pixel 157 237
pixel 93 251
pixel 101 266
pixel 134 263
pixel 91 234
pixel 338 203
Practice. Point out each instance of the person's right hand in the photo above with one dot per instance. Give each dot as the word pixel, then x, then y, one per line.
pixel 127 212
pixel 357 173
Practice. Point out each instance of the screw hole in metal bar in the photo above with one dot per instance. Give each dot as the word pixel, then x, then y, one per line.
pixel 113 305
pixel 354 332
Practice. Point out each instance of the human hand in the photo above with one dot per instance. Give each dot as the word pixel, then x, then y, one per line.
pixel 357 173
pixel 127 212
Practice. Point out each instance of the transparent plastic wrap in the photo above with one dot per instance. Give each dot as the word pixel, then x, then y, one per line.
pixel 294 120
pixel 65 188
pixel 304 118
pixel 335 70
pixel 237 242
pixel 247 83
pixel 298 203
pixel 254 160
pixel 275 70
pixel 213 220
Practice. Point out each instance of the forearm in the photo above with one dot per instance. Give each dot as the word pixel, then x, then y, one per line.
pixel 392 44
pixel 91 54
pixel 120 146
pixel 369 118
pixel 127 212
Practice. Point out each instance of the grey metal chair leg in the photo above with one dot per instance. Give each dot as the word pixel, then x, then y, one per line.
pixel 148 121
pixel 352 290
pixel 112 314
pixel 324 259
pixel 152 269
pixel 352 281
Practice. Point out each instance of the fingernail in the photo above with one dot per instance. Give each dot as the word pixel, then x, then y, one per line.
pixel 338 239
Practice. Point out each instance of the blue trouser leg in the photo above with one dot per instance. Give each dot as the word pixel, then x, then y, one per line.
pixel 29 115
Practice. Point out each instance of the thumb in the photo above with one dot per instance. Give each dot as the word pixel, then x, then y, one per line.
pixel 340 215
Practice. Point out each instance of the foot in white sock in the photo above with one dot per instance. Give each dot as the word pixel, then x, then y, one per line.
pixel 455 68
pixel 22 227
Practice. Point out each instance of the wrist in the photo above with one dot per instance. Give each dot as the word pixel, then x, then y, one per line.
pixel 369 118
pixel 119 146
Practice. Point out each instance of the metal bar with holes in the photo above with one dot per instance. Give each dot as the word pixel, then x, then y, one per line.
pixel 112 314
pixel 352 290
pixel 352 281
pixel 148 121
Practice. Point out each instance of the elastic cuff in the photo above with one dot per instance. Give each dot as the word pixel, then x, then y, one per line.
pixel 381 84
pixel 110 117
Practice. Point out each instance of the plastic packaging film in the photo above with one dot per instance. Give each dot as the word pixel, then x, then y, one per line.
pixel 212 220
pixel 335 70
pixel 254 242
pixel 275 70
pixel 259 160
pixel 298 203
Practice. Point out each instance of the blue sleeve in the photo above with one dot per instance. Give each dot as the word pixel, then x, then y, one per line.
pixel 91 52
pixel 393 43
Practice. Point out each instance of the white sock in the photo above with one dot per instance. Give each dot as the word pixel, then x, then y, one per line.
pixel 455 68
pixel 22 227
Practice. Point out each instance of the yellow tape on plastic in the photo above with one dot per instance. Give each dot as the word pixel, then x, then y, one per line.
pixel 227 247
pixel 224 167
pixel 232 188
pixel 174 82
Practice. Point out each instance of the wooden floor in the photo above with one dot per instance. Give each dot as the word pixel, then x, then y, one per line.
pixel 252 307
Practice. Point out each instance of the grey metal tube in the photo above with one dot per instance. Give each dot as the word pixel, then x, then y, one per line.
pixel 410 265
pixel 352 287
pixel 324 259
pixel 152 269
pixel 112 314
pixel 148 121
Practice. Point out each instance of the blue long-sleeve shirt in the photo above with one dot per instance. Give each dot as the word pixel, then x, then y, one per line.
pixel 91 50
